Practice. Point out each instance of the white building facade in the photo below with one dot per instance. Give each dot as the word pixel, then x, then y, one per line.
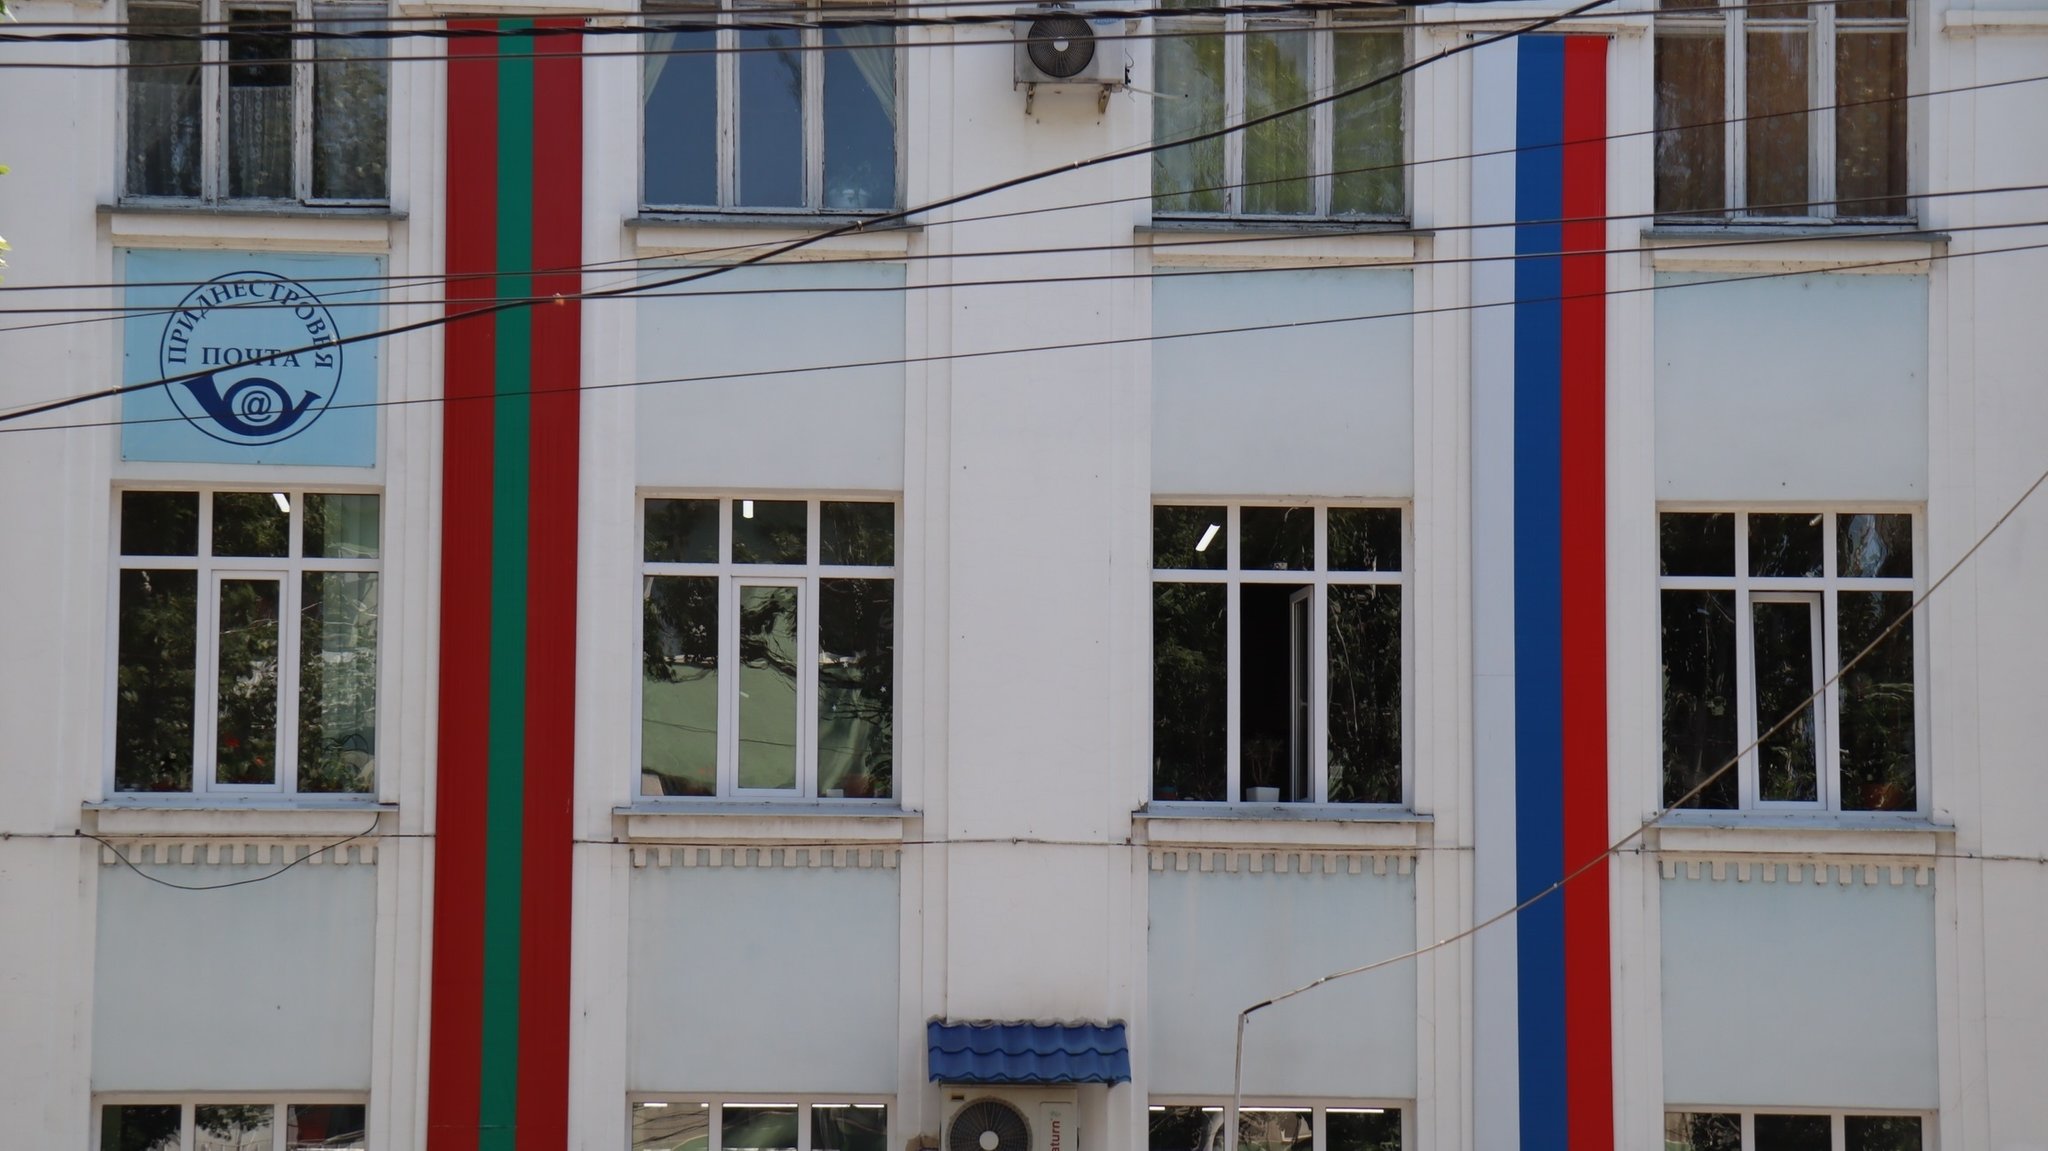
pixel 541 645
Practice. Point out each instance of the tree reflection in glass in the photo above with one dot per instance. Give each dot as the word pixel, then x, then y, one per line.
pixel 768 699
pixel 1699 696
pixel 1786 641
pixel 1190 684
pixel 1365 694
pixel 679 686
pixel 1877 703
pixel 856 686
pixel 245 736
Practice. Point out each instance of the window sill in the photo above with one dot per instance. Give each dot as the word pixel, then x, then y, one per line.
pixel 1778 833
pixel 1897 249
pixel 1217 242
pixel 1330 826
pixel 656 234
pixel 769 822
pixel 289 227
pixel 213 816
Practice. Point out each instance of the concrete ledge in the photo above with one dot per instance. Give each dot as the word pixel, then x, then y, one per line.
pixel 715 821
pixel 290 229
pixel 1846 248
pixel 1333 828
pixel 1720 833
pixel 716 237
pixel 1224 243
pixel 250 820
pixel 1968 22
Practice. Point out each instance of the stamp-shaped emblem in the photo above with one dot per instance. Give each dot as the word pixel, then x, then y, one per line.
pixel 264 348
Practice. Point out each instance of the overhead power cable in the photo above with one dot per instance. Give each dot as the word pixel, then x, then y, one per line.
pixel 843 229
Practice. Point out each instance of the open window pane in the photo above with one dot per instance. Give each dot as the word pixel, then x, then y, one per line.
pixel 1190 685
pixel 1692 138
pixel 325 1126
pixel 860 119
pixel 679 686
pixel 679 117
pixel 1702 1131
pixel 338 682
pixel 1278 154
pixel 1870 121
pixel 754 1127
pixel 1792 1133
pixel 245 735
pixel 140 1126
pixel 1188 71
pixel 1366 129
pixel 164 102
pixel 259 104
pixel 1778 127
pixel 155 692
pixel 768 681
pixel 856 687
pixel 1881 1133
pixel 1787 673
pixel 349 100
pixel 1699 696
pixel 1273 693
pixel 1877 703
pixel 159 523
pixel 849 1127
pixel 1365 694
pixel 1363 1129
pixel 1264 1129
pixel 232 1126
pixel 671 1126
pixel 771 131
pixel 768 531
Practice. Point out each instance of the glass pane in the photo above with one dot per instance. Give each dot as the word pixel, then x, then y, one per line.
pixel 1365 539
pixel 1870 122
pixel 1877 703
pixel 671 1126
pixel 1881 1133
pixel 1777 159
pixel 341 526
pixel 1874 546
pixel 338 682
pixel 768 652
pixel 1189 684
pixel 1262 1129
pixel 1363 1129
pixel 250 524
pixel 1792 1133
pixel 1702 1131
pixel 1189 539
pixel 1278 154
pixel 1365 694
pixel 768 532
pixel 163 103
pixel 1692 157
pixel 232 1126
pixel 1786 674
pixel 679 686
pixel 326 1126
pixel 1785 545
pixel 1869 10
pixel 1185 1129
pixel 682 531
pixel 771 144
pixel 153 700
pixel 1366 156
pixel 679 96
pixel 259 127
pixel 1188 71
pixel 849 1127
pixel 159 523
pixel 857 535
pixel 1696 544
pixel 1276 539
pixel 856 687
pixel 245 736
pixel 140 1126
pixel 349 104
pixel 1699 695
pixel 860 119
pixel 752 1127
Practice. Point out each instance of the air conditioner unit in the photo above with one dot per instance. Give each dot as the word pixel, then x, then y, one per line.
pixel 1010 1119
pixel 1062 47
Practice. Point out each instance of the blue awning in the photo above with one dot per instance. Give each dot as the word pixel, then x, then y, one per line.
pixel 1001 1052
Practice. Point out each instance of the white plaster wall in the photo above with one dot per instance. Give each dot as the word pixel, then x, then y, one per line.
pixel 263 987
pixel 761 979
pixel 1791 388
pixel 1799 994
pixel 1325 410
pixel 1222 942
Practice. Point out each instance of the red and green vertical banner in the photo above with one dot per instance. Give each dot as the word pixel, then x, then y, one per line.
pixel 498 1070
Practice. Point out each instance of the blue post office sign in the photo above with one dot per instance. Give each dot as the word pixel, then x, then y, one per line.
pixel 252 340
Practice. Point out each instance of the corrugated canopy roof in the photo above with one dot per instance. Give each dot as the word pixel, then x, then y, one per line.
pixel 990 1051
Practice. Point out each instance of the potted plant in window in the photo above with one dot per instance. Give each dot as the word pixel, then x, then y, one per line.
pixel 1261 770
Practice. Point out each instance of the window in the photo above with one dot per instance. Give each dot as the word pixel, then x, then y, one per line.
pixel 1338 159
pixel 1276 654
pixel 768 648
pixel 767 119
pixel 684 1124
pixel 1782 110
pixel 1809 1131
pixel 1278 1127
pixel 246 644
pixel 1759 610
pixel 284 119
pixel 227 1123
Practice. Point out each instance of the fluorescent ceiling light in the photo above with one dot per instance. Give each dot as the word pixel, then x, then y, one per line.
pixel 284 505
pixel 747 509
pixel 1208 537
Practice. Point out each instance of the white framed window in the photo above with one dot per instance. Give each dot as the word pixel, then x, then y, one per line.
pixel 245 643
pixel 757 119
pixel 1275 1125
pixel 1733 86
pixel 1759 610
pixel 759 1123
pixel 768 648
pixel 257 1121
pixel 1804 1130
pixel 1277 640
pixel 1341 159
pixel 259 115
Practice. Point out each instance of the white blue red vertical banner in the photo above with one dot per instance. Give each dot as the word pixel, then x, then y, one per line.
pixel 1539 421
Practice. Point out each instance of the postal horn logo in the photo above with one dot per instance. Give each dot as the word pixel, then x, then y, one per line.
pixel 254 357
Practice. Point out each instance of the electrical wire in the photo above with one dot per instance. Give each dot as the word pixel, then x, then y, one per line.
pixel 366 833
